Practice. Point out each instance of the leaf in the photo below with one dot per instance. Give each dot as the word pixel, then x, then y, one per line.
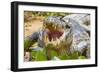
pixel 53 53
pixel 40 56
pixel 64 57
pixel 74 55
pixel 33 55
pixel 82 57
pixel 28 43
pixel 50 51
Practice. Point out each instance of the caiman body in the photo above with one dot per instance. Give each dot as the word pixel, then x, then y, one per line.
pixel 67 34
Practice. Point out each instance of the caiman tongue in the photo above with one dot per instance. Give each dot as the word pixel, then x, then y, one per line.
pixel 54 34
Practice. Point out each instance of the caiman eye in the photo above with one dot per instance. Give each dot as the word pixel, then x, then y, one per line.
pixel 67 26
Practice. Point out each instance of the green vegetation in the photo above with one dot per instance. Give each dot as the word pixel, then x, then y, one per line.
pixel 31 15
pixel 28 43
pixel 48 53
pixel 46 14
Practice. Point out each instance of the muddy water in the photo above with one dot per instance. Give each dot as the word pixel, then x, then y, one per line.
pixel 32 26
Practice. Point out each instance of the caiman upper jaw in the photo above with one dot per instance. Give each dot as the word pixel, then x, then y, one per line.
pixel 55 21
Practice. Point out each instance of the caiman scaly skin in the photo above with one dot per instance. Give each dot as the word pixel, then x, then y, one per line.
pixel 65 43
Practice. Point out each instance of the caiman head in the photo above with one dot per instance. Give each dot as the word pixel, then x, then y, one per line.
pixel 58 33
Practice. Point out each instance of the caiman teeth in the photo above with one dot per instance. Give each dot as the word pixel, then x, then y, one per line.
pixel 62 36
pixel 51 39
pixel 55 27
pixel 58 40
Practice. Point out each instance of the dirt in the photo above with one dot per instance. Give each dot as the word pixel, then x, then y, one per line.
pixel 32 26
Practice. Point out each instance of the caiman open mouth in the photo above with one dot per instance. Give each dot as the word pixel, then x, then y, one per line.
pixel 55 34
pixel 54 28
